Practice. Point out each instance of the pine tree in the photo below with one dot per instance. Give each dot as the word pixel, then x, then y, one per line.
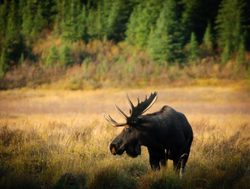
pixel 241 55
pixel 52 57
pixel 71 22
pixel 165 42
pixel 195 15
pixel 39 22
pixel 229 26
pixel 174 32
pixel 189 16
pixel 66 56
pixel 21 61
pixel 3 18
pixel 2 64
pixel 226 54
pixel 91 20
pixel 208 39
pixel 143 18
pixel 27 19
pixel 117 19
pixel 132 24
pixel 81 31
pixel 158 39
pixel 193 48
pixel 13 44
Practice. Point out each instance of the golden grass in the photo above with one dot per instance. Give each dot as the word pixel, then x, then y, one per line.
pixel 59 139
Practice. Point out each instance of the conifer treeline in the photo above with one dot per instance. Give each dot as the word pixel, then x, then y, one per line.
pixel 169 30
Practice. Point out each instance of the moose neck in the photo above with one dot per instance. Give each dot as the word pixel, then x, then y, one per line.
pixel 147 139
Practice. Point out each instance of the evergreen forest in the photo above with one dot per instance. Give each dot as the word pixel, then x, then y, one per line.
pixel 104 36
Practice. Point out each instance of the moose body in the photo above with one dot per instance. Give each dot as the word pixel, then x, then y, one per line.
pixel 166 134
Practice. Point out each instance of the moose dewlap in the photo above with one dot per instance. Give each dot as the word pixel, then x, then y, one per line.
pixel 167 134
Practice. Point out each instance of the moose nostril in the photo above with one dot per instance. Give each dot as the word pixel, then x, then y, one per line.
pixel 113 149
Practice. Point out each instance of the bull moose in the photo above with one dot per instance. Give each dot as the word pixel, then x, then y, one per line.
pixel 166 134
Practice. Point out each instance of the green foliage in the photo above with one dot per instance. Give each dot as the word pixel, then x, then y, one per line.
pixel 226 54
pixel 39 22
pixel 193 48
pixel 21 61
pixel 241 55
pixel 2 64
pixel 208 38
pixel 165 41
pixel 229 26
pixel 174 32
pixel 53 56
pixel 66 56
pixel 161 28
pixel 142 19
pixel 190 14
pixel 158 38
pixel 119 13
pixel 74 22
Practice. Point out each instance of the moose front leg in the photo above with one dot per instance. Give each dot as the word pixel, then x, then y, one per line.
pixel 155 158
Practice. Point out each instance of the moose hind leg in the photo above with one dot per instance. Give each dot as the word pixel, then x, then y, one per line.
pixel 183 161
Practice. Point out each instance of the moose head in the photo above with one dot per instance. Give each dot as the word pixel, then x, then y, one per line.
pixel 129 139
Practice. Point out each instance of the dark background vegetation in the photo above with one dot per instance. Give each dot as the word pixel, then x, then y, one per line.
pixel 50 37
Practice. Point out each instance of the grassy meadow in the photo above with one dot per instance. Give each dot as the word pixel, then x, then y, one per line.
pixel 59 139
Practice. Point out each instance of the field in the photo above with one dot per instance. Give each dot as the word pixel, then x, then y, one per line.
pixel 59 139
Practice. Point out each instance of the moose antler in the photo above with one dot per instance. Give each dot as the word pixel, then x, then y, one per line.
pixel 135 111
pixel 142 106
pixel 113 122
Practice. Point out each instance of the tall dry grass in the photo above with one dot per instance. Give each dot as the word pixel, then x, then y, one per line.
pixel 59 139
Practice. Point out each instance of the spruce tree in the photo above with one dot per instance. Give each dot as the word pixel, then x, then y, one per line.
pixel 91 23
pixel 52 57
pixel 66 56
pixel 132 24
pixel 71 22
pixel 117 19
pixel 193 49
pixel 2 64
pixel 143 18
pixel 158 39
pixel 13 44
pixel 81 31
pixel 208 39
pixel 3 18
pixel 229 26
pixel 174 32
pixel 39 22
pixel 241 55
pixel 226 53
pixel 27 18
pixel 165 42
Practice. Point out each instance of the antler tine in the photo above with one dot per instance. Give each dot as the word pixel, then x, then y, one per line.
pixel 144 105
pixel 122 112
pixel 130 102
pixel 153 101
pixel 113 122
